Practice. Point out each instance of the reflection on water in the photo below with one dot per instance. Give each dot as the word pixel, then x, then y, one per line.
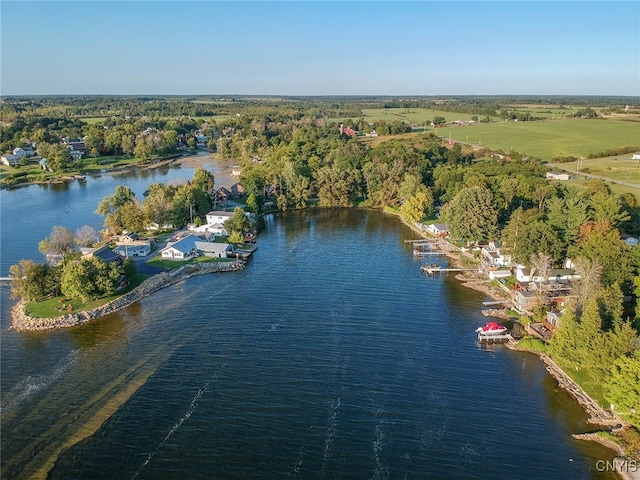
pixel 331 355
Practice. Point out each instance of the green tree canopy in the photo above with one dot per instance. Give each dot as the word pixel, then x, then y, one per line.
pixel 238 222
pixel 622 388
pixel 471 214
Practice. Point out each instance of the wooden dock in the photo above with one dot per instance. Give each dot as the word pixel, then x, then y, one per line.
pixel 433 270
pixel 496 302
pixel 506 337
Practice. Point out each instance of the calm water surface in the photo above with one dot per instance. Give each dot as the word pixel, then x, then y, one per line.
pixel 329 356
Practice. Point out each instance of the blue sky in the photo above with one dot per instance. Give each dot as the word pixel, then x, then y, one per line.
pixel 320 48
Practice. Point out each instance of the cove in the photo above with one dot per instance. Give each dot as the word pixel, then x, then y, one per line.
pixel 329 356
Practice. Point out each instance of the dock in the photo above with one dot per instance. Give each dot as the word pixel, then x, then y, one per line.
pixel 431 269
pixel 419 254
pixel 496 302
pixel 506 337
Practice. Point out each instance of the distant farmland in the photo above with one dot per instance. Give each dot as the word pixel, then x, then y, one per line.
pixel 546 139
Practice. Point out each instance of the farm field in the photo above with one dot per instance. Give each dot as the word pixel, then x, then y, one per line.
pixel 545 139
pixel 550 139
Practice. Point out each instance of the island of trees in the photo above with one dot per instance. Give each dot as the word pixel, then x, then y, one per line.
pixel 299 153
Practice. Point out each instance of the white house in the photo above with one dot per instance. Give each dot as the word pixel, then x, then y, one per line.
pixel 554 274
pixel 213 229
pixel 438 229
pixel 183 249
pixel 155 226
pixel 635 156
pixel 491 256
pixel 218 216
pixel 10 159
pixel 134 249
pixel 558 176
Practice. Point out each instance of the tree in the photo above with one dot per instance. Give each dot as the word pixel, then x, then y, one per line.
pixel 61 241
pixel 77 280
pixel 622 388
pixel 110 204
pixel 299 191
pixel 58 157
pixel 86 236
pixel 30 280
pixel 238 222
pixel 604 243
pixel 336 187
pixel 418 207
pixel 438 121
pixel 111 207
pixel 606 207
pixel 142 151
pixel 204 180
pixel 90 279
pixel 471 214
pixel 590 272
pixel 132 218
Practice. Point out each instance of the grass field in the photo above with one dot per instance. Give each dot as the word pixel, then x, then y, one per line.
pixel 546 139
pixel 616 188
pixel 620 167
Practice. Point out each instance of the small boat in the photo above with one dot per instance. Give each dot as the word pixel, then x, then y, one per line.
pixel 490 329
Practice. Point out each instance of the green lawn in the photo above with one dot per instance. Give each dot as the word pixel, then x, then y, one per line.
pixel 173 264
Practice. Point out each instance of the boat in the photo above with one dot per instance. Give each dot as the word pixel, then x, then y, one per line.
pixel 491 329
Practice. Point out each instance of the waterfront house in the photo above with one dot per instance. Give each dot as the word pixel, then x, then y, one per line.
pixel 552 320
pixel 491 257
pixel 222 195
pixel 438 229
pixel 209 230
pixel 236 190
pixel 133 249
pixel 525 300
pixel 10 160
pixel 103 253
pixel 183 249
pixel 154 226
pixel 128 238
pixel 19 152
pixel 218 216
pixel 217 250
pixel 524 274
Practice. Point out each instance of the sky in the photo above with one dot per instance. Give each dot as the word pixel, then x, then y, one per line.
pixel 480 47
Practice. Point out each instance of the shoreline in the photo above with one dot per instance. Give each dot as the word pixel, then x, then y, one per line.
pixel 22 322
pixel 597 414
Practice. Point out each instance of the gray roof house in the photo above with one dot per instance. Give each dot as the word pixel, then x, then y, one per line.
pixel 218 250
pixel 183 249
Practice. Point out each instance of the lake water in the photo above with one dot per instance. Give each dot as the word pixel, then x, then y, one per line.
pixel 329 356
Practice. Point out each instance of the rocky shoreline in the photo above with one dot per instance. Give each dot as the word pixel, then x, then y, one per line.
pixel 23 322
